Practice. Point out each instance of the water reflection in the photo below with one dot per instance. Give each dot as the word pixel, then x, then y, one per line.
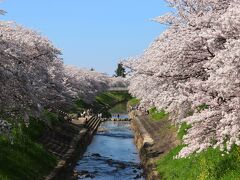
pixel 112 155
pixel 119 116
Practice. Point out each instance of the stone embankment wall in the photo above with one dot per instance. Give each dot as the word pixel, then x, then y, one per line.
pixel 153 139
pixel 143 141
pixel 69 145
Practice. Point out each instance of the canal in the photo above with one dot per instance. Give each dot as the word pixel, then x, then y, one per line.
pixel 112 153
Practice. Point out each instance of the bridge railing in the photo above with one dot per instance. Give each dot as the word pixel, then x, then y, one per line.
pixel 118 89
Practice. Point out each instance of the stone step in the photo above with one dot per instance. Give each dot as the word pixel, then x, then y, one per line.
pixel 89 125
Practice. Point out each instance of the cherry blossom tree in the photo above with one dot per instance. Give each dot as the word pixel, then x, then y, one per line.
pixel 118 82
pixel 26 63
pixel 33 76
pixel 194 62
pixel 85 84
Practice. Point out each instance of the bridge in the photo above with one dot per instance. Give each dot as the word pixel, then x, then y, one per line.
pixel 118 89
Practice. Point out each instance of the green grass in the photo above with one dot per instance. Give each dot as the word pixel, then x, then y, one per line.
pixel 156 115
pixel 211 164
pixel 183 130
pixel 107 100
pixel 120 108
pixel 79 106
pixel 103 102
pixel 25 159
pixel 52 119
pixel 202 107
pixel 112 97
pixel 133 102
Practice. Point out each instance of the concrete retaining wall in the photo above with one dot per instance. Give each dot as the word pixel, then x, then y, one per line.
pixel 143 141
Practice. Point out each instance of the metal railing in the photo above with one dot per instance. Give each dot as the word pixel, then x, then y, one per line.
pixel 118 89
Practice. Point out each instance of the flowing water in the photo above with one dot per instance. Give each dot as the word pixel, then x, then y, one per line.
pixel 112 155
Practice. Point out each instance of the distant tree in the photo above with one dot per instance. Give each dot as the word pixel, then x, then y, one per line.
pixel 120 71
pixel 92 69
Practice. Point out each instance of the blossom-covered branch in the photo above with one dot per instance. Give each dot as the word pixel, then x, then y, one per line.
pixel 195 62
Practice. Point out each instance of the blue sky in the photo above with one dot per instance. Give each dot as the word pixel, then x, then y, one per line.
pixel 91 33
